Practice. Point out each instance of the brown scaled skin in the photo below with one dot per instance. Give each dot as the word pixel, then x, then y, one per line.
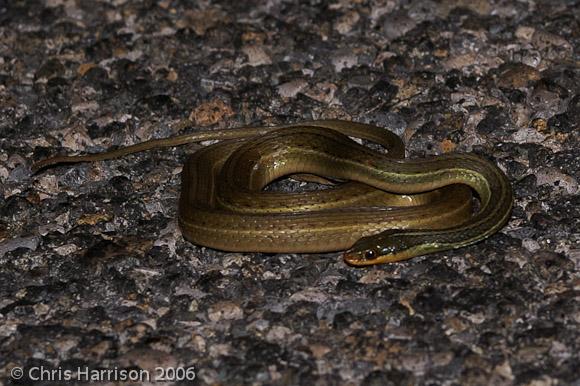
pixel 222 204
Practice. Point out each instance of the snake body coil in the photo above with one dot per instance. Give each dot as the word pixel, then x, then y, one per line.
pixel 223 205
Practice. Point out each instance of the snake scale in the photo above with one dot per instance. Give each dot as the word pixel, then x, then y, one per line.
pixel 389 209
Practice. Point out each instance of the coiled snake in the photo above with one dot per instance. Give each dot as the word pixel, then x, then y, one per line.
pixel 223 205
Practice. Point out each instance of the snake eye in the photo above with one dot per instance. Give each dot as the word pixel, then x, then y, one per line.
pixel 370 254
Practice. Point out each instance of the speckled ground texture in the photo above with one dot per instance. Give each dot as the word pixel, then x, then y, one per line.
pixel 94 271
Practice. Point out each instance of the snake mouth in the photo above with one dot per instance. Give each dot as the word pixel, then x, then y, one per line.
pixel 358 259
pixel 362 255
pixel 387 247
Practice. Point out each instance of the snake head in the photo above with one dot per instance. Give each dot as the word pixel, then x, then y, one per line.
pixel 386 247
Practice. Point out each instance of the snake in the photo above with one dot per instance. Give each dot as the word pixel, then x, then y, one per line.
pixel 380 207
